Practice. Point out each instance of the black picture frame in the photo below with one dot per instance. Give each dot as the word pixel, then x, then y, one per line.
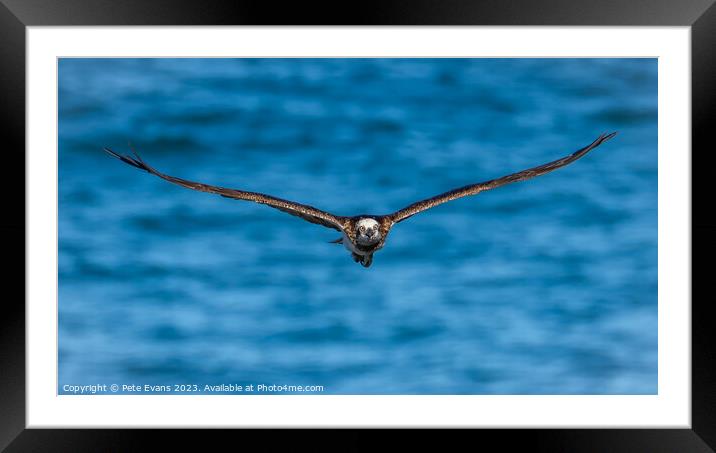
pixel 16 15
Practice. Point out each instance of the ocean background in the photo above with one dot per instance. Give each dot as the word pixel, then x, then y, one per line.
pixel 547 286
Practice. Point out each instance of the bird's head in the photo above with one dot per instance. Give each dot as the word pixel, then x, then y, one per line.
pixel 367 231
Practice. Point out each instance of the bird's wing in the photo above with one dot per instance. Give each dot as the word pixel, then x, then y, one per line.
pixel 474 189
pixel 306 212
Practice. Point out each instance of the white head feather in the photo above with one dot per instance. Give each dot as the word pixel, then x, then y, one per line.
pixel 367 231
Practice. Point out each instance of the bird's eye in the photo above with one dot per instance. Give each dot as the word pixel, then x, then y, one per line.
pixel 362 229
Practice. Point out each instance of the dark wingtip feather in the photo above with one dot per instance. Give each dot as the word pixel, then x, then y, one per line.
pixel 608 136
pixel 603 138
pixel 138 158
pixel 127 160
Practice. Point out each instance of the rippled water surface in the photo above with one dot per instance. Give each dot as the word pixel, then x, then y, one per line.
pixel 542 287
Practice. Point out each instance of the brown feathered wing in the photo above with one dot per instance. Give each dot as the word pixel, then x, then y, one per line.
pixel 474 189
pixel 303 211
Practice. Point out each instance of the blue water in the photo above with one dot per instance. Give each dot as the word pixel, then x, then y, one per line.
pixel 547 286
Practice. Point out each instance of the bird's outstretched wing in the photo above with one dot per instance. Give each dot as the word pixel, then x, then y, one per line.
pixel 306 212
pixel 474 189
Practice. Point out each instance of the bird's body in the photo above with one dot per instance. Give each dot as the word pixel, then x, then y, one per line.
pixel 369 234
pixel 363 235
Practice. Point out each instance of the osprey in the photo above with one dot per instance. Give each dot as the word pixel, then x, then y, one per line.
pixel 363 235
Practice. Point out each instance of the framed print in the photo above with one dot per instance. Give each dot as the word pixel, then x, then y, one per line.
pixel 254 224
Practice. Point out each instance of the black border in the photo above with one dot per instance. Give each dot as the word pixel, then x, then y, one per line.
pixel 15 15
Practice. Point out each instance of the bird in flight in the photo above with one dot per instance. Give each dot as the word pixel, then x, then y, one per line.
pixel 364 234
